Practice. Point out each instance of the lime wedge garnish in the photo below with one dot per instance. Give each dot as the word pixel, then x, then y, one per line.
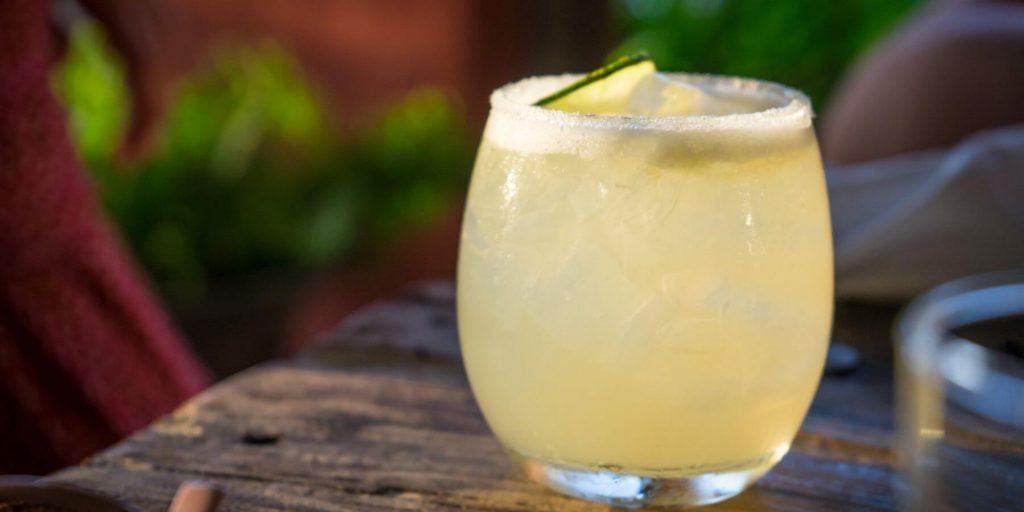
pixel 632 86
pixel 600 86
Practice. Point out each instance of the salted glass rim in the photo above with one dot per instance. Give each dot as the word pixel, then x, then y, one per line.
pixel 788 108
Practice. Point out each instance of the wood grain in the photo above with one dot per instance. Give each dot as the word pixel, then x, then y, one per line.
pixel 379 417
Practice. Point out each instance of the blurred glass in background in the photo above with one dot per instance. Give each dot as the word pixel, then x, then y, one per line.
pixel 960 395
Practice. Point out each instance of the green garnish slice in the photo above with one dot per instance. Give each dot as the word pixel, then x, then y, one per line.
pixel 596 75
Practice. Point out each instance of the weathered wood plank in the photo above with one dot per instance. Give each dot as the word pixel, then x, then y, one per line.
pixel 329 440
pixel 379 417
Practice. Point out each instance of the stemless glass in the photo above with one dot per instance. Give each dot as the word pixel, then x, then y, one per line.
pixel 644 302
pixel 960 398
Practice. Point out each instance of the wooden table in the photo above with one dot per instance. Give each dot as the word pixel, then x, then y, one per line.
pixel 379 417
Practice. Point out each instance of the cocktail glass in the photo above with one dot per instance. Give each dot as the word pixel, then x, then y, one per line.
pixel 644 302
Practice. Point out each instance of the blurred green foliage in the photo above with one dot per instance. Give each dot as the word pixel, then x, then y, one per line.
pixel 249 174
pixel 807 44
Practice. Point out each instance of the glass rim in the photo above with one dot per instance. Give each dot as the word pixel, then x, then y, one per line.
pixel 974 376
pixel 789 108
pixel 949 305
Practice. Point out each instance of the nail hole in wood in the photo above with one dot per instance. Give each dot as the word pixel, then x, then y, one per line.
pixel 260 438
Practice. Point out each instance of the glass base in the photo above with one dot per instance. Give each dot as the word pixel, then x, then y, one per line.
pixel 624 490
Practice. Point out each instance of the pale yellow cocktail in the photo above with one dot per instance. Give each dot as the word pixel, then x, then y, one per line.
pixel 647 297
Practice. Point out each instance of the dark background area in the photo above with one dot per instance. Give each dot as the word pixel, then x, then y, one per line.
pixel 316 158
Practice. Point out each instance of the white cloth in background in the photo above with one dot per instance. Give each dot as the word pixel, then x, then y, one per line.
pixel 904 224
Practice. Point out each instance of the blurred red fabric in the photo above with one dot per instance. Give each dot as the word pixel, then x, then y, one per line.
pixel 86 353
